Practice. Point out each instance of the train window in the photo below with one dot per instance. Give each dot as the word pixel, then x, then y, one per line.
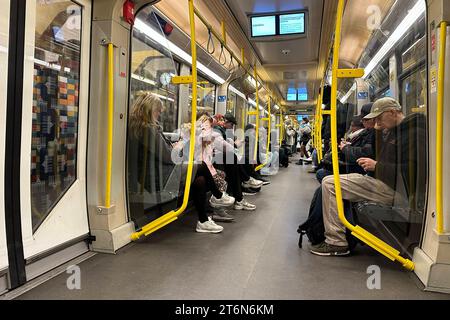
pixel 154 180
pixel 231 102
pixel 55 104
pixel 206 96
pixel 152 72
pixel 240 112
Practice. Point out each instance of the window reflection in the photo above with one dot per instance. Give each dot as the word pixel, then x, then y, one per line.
pixel 206 96
pixel 55 104
pixel 154 181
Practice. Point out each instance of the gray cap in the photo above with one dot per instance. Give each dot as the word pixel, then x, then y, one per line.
pixel 382 105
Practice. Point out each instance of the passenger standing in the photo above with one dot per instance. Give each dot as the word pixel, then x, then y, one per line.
pixel 305 131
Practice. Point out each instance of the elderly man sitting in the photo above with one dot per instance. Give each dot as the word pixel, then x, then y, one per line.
pixel 403 148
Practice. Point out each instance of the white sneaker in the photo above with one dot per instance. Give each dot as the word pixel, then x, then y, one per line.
pixel 244 205
pixel 225 201
pixel 208 227
pixel 252 183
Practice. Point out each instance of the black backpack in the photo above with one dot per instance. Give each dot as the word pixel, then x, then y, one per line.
pixel 314 228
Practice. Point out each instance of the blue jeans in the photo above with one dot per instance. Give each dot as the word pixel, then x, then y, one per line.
pixel 322 173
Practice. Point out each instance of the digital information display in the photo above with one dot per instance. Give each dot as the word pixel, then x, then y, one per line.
pixel 291 96
pixel 278 24
pixel 263 26
pixel 303 97
pixel 292 23
pixel 302 94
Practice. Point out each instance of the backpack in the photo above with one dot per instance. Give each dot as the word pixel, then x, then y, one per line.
pixel 314 228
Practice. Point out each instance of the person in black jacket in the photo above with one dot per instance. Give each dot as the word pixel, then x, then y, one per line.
pixel 361 144
pixel 402 158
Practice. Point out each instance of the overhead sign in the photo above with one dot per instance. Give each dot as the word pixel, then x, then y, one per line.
pixel 263 26
pixel 292 23
pixel 363 95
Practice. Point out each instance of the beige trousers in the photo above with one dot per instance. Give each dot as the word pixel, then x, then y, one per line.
pixel 355 187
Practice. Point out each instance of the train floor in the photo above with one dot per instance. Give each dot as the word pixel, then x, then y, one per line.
pixel 255 257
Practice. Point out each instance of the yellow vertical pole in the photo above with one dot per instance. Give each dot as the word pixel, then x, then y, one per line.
pixel 281 126
pixel 269 128
pixel 173 215
pixel 318 128
pixel 224 33
pixel 255 153
pixel 320 155
pixel 110 124
pixel 440 130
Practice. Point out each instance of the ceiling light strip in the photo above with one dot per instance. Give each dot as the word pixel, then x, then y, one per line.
pixel 414 14
pixel 141 26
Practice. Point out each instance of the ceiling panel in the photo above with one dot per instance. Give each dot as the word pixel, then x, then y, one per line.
pixel 299 66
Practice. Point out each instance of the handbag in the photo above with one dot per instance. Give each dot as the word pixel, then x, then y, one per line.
pixel 219 180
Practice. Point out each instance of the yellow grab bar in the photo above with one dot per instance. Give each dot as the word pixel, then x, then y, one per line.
pixel 440 130
pixel 173 215
pixel 255 152
pixel 109 143
pixel 320 153
pixel 357 231
pixel 269 120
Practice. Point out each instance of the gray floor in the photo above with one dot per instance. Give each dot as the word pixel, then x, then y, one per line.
pixel 256 257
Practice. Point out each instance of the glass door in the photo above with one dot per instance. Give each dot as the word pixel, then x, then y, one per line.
pixel 54 128
pixel 4 38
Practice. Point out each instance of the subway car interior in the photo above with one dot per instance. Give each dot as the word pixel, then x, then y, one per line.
pixel 224 149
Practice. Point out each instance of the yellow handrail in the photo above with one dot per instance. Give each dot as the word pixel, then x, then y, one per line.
pixel 320 153
pixel 357 231
pixel 255 152
pixel 281 126
pixel 269 120
pixel 173 215
pixel 440 130
pixel 109 143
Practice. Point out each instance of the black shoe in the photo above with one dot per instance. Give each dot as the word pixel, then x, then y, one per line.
pixel 299 162
pixel 248 191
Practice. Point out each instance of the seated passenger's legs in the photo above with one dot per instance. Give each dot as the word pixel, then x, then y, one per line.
pixel 322 173
pixel 199 189
pixel 355 187
pixel 234 181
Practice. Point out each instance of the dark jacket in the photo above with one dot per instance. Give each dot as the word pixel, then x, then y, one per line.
pixel 404 153
pixel 149 160
pixel 363 145
pixel 222 131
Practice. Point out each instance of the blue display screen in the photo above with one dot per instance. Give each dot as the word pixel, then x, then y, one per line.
pixel 303 97
pixel 292 23
pixel 263 26
pixel 302 94
pixel 291 95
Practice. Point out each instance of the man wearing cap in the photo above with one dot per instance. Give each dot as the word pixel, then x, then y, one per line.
pixel 402 149
pixel 234 174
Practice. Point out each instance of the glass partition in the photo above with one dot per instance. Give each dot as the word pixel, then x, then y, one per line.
pixel 55 104
pixel 398 134
pixel 206 96
pixel 154 180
